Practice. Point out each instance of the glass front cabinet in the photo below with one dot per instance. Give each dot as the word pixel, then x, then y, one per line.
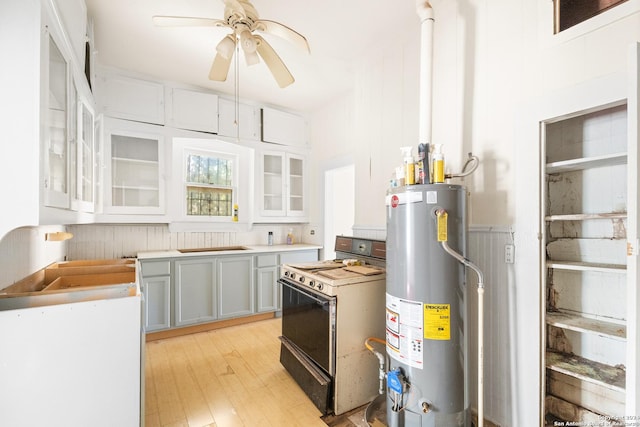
pixel 68 129
pixel 133 178
pixel 281 184
pixel 55 112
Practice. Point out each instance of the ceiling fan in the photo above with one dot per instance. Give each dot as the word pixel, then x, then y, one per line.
pixel 243 19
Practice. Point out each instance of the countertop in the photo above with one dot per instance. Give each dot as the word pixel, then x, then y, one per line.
pixel 250 249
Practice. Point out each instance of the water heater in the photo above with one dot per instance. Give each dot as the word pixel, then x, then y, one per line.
pixel 425 307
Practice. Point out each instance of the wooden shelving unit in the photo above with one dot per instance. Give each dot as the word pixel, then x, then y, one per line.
pixel 585 213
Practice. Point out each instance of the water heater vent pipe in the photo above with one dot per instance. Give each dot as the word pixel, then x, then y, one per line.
pixel 425 12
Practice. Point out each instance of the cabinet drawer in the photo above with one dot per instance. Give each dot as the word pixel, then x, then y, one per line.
pixel 155 268
pixel 267 260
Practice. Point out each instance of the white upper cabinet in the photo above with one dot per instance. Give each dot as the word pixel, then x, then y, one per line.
pixel 55 117
pixel 134 176
pixel 192 110
pixel 280 127
pixel 83 172
pixel 281 184
pixel 130 98
pixel 240 121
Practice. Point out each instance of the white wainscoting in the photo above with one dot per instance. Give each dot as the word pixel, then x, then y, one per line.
pixel 103 241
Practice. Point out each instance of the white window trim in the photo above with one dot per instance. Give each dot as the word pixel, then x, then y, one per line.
pixel 545 28
pixel 243 177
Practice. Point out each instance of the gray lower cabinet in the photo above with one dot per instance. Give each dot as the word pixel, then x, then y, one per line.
pixel 235 286
pixel 155 284
pixel 195 291
pixel 191 290
pixel 266 282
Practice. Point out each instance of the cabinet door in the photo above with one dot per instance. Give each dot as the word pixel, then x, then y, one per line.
pixel 235 286
pixel 239 121
pixel 131 99
pixel 157 302
pixel 281 127
pixel 55 111
pixel 272 185
pixel 85 164
pixel 193 110
pixel 267 289
pixel 195 291
pixel 295 185
pixel 134 174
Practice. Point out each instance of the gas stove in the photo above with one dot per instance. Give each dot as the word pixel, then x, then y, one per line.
pixel 329 309
pixel 327 276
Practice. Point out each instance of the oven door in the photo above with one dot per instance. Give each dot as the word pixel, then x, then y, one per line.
pixel 308 321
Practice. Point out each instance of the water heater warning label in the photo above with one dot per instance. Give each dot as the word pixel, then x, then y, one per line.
pixel 437 321
pixel 404 331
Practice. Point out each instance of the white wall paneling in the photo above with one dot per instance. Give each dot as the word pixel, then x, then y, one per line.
pixel 24 251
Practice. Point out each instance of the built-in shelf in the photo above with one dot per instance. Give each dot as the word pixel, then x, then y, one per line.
pixel 587 266
pixel 574 322
pixel 607 376
pixel 586 163
pixel 586 216
pixel 132 160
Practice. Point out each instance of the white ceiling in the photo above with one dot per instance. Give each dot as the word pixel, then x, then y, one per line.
pixel 338 31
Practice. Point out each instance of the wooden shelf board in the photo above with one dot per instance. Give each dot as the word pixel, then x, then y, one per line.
pixel 586 163
pixel 597 373
pixel 586 266
pixel 585 216
pixel 579 323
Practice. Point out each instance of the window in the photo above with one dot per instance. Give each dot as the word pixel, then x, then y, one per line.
pixel 568 13
pixel 210 184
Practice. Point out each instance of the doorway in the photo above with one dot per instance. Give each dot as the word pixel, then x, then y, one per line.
pixel 339 209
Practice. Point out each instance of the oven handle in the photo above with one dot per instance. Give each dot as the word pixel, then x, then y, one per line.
pixel 313 297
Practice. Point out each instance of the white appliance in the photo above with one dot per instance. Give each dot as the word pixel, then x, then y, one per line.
pixel 328 311
pixel 72 358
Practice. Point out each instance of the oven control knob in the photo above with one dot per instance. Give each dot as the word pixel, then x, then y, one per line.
pixel 312 283
pixel 320 286
pixel 301 279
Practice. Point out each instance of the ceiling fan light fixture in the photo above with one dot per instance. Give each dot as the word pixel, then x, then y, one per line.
pixel 226 46
pixel 248 42
pixel 252 58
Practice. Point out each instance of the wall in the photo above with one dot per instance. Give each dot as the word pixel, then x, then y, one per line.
pixel 24 251
pixel 19 113
pixel 106 241
pixel 494 61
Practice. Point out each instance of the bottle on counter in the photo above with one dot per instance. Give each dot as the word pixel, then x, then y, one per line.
pixel 290 237
pixel 235 213
pixel 270 238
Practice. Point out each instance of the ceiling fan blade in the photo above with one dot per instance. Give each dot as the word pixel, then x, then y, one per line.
pixel 220 68
pixel 284 32
pixel 187 21
pixel 276 66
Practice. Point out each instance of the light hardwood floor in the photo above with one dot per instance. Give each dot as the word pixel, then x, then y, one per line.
pixel 225 377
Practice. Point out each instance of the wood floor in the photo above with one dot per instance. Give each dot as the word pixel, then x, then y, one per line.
pixel 225 377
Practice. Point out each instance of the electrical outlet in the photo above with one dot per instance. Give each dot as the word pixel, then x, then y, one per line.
pixel 509 253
